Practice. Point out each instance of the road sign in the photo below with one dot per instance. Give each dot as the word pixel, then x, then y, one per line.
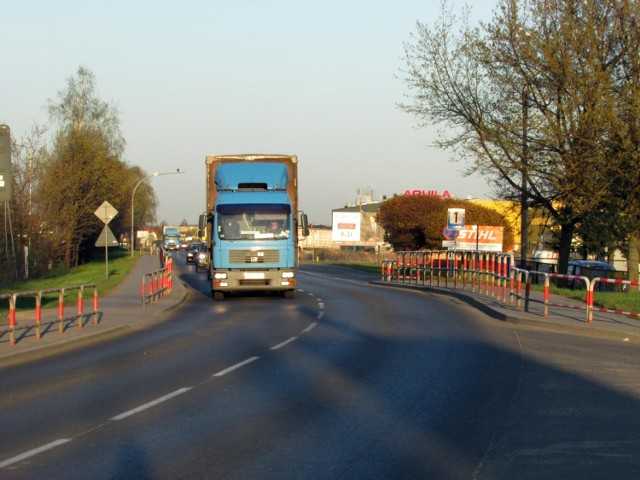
pixel 455 218
pixel 106 238
pixel 105 212
pixel 450 233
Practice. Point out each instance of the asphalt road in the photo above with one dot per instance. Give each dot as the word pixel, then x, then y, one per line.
pixel 347 380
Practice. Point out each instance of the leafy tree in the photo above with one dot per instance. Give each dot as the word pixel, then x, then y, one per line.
pixel 80 177
pixel 84 170
pixel 58 187
pixel 413 222
pixel 538 100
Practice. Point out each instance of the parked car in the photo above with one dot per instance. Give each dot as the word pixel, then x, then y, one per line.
pixel 590 269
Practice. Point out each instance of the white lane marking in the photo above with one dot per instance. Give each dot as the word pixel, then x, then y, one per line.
pixel 152 403
pixel 164 398
pixel 310 327
pixel 286 342
pixel 321 308
pixel 235 367
pixel 35 451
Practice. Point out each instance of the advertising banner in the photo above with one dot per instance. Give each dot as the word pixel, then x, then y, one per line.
pixel 477 237
pixel 346 227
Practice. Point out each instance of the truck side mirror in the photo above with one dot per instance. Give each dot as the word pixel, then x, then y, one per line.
pixel 304 224
pixel 202 222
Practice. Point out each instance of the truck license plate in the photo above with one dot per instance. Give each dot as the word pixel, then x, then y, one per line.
pixel 254 275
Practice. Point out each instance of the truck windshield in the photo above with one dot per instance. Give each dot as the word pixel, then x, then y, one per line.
pixel 253 221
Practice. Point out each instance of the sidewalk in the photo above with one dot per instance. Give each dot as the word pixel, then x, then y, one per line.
pixel 118 311
pixel 571 319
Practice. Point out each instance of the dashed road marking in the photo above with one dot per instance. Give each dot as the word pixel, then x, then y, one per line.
pixel 35 451
pixel 150 404
pixel 310 327
pixel 235 367
pixel 286 342
pixel 164 398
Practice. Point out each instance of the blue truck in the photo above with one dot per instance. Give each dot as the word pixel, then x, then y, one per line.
pixel 251 223
pixel 171 238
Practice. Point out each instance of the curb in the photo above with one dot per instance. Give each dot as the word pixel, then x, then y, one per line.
pixel 40 350
pixel 509 317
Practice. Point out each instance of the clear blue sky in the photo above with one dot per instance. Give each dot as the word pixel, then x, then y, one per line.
pixel 313 78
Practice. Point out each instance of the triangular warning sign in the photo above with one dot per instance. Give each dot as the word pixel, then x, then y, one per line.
pixel 106 238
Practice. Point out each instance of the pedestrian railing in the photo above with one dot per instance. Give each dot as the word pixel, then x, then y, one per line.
pixel 492 274
pixel 159 283
pixel 482 272
pixel 38 295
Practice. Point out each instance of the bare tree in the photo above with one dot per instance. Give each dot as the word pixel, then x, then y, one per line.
pixel 29 154
pixel 79 108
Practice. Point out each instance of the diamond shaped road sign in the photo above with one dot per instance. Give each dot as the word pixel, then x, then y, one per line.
pixel 106 238
pixel 105 212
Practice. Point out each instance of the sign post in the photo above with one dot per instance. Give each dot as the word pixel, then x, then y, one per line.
pixel 5 164
pixel 106 212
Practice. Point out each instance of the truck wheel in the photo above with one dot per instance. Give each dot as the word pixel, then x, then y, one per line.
pixel 289 293
pixel 217 295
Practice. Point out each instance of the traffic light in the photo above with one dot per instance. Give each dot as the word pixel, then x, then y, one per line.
pixel 5 164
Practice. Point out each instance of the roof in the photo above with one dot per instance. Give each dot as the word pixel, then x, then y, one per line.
pixel 595 264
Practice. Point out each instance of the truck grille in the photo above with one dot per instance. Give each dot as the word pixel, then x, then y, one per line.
pixel 253 257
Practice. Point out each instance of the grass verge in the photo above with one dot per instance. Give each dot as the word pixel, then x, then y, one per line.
pixel 120 265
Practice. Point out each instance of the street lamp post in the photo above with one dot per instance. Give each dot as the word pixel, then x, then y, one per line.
pixel 155 174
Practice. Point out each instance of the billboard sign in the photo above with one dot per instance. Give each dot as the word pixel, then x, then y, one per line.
pixel 346 227
pixel 477 237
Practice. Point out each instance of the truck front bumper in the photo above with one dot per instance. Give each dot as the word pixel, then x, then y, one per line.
pixel 253 280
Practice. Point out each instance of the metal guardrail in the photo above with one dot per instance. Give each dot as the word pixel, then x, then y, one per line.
pixel 37 295
pixel 622 283
pixel 483 272
pixel 490 273
pixel 159 283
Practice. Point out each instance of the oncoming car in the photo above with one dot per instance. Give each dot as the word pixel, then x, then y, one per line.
pixel 192 251
pixel 202 258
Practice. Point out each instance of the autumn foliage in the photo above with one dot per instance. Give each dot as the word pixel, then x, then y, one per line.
pixel 413 222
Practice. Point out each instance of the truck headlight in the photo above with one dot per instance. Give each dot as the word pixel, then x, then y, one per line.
pixel 288 274
pixel 220 276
